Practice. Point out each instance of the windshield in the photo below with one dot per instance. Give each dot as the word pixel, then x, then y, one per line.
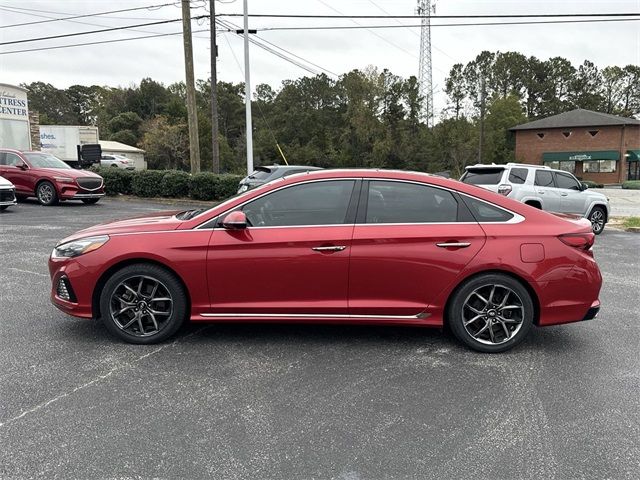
pixel 45 160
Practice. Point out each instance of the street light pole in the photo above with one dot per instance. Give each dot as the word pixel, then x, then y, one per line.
pixel 247 92
pixel 215 149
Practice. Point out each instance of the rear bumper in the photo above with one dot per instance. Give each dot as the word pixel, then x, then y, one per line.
pixel 593 311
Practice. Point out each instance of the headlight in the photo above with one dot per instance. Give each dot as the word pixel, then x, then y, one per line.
pixel 243 188
pixel 63 179
pixel 79 247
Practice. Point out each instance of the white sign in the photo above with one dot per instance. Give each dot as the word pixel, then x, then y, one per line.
pixel 13 103
pixel 581 157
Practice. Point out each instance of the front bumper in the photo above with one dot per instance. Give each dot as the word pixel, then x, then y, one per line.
pixel 7 197
pixel 80 196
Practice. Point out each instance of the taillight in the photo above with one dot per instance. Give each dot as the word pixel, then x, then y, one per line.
pixel 504 189
pixel 583 241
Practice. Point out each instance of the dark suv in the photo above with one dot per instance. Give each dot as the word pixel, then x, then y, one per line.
pixel 262 175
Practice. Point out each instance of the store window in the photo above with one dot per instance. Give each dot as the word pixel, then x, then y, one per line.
pixel 599 166
pixel 566 166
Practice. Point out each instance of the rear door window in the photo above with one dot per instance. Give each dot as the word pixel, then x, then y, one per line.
pixel 483 176
pixel 518 175
pixel 544 179
pixel 400 202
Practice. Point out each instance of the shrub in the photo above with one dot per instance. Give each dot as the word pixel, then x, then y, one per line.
pixel 204 185
pixel 116 180
pixel 227 186
pixel 631 185
pixel 147 183
pixel 175 184
pixel 591 184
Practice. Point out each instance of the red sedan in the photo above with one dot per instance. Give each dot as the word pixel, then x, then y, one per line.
pixel 49 179
pixel 356 246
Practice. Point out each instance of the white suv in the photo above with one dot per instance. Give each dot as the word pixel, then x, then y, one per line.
pixel 542 187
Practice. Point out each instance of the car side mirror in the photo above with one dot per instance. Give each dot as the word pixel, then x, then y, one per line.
pixel 22 166
pixel 235 221
pixel 583 186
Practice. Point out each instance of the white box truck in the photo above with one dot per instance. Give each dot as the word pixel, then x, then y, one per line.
pixel 76 145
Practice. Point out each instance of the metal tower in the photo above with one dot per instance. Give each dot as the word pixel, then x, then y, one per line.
pixel 425 74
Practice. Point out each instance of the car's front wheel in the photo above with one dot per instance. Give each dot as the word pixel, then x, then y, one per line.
pixel 491 313
pixel 597 217
pixel 47 194
pixel 143 304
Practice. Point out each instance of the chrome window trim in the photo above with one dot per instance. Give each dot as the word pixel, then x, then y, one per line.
pixel 517 218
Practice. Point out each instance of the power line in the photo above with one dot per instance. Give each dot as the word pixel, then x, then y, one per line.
pixel 149 7
pixel 526 15
pixel 480 24
pixel 99 42
pixel 91 32
pixel 230 25
pixel 386 40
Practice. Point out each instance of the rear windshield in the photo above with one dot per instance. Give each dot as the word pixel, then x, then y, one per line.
pixel 483 176
pixel 260 174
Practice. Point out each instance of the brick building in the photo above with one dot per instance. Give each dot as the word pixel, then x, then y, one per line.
pixel 591 145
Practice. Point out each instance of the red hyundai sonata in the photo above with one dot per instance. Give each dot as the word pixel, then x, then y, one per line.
pixel 339 246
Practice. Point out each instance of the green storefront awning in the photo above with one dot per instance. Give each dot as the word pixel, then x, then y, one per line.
pixel 580 156
pixel 633 155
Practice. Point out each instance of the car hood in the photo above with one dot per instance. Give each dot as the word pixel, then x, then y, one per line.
pixel 148 223
pixel 5 183
pixel 70 172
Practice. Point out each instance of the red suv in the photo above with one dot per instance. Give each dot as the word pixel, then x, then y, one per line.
pixel 49 179
pixel 352 246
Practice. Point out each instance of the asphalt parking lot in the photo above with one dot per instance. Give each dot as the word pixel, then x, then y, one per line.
pixel 307 402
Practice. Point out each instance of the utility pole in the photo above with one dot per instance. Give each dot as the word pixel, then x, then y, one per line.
pixel 215 150
pixel 247 92
pixel 425 75
pixel 483 95
pixel 194 146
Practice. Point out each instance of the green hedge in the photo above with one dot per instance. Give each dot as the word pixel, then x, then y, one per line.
pixel 591 184
pixel 168 183
pixel 631 185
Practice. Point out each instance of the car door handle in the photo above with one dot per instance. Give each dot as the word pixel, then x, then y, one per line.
pixel 564 194
pixel 329 248
pixel 453 245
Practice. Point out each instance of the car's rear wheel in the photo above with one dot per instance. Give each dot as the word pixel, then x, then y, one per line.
pixel 90 201
pixel 143 304
pixel 47 194
pixel 491 313
pixel 597 217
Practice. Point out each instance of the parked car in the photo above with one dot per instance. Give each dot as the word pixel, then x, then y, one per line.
pixel 266 174
pixel 544 188
pixel 354 246
pixel 49 179
pixel 7 194
pixel 117 161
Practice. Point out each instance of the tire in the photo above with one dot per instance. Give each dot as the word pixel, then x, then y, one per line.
pixel 90 201
pixel 133 312
pixel 3 207
pixel 477 318
pixel 597 217
pixel 46 194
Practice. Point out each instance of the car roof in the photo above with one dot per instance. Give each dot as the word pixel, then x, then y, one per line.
pixel 286 167
pixel 493 166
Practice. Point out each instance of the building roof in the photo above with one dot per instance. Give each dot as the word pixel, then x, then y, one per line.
pixel 110 146
pixel 577 118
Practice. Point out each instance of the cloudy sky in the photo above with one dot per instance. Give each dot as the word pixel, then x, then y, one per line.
pixel 125 63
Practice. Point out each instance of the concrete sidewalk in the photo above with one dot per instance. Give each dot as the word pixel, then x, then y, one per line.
pixel 624 203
